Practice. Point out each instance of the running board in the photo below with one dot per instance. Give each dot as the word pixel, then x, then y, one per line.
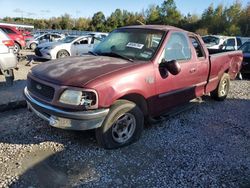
pixel 175 111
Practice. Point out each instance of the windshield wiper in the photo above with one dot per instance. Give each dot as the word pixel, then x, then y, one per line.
pixel 113 54
pixel 93 53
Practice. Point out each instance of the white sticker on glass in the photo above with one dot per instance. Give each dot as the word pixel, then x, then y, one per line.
pixel 135 45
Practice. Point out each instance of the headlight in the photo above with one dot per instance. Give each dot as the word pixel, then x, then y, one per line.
pixel 85 98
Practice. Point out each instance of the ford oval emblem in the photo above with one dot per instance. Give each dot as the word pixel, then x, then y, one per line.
pixel 39 87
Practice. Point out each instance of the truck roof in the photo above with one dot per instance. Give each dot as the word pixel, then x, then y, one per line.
pixel 157 27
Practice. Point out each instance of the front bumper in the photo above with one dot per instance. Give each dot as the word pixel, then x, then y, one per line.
pixel 83 120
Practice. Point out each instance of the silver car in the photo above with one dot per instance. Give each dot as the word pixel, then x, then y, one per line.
pixel 69 46
pixel 32 43
pixel 8 60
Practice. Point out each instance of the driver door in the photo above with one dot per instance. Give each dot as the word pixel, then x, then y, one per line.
pixel 173 90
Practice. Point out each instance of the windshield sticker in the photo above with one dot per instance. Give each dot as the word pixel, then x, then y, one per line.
pixel 135 45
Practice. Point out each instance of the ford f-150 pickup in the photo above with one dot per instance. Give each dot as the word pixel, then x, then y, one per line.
pixel 136 73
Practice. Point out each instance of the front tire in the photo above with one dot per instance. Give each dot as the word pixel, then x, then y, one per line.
pixel 122 126
pixel 33 46
pixel 62 53
pixel 221 91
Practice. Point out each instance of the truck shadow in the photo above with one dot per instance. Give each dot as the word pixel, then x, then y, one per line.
pixel 73 159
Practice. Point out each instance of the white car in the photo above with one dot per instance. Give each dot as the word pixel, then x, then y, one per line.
pixel 69 46
pixel 221 42
pixel 32 43
pixel 8 60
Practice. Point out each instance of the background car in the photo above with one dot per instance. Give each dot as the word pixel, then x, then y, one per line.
pixel 8 60
pixel 70 46
pixel 222 42
pixel 245 69
pixel 47 37
pixel 16 36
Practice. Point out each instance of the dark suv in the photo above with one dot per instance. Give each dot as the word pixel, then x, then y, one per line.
pixel 16 36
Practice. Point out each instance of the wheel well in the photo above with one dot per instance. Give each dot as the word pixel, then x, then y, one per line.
pixel 139 100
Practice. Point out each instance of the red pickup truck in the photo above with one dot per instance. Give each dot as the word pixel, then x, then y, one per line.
pixel 136 73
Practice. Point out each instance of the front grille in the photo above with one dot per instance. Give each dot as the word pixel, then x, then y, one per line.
pixel 41 90
pixel 37 52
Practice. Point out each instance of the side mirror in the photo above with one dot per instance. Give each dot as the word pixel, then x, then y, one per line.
pixel 172 66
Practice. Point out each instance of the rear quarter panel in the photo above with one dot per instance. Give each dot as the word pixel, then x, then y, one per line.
pixel 229 62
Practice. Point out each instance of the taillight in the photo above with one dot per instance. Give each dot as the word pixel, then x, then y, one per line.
pixel 8 43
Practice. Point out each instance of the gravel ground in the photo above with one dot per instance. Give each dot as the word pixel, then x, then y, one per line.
pixel 205 146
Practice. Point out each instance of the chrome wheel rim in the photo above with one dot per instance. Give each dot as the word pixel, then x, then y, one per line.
pixel 124 128
pixel 224 88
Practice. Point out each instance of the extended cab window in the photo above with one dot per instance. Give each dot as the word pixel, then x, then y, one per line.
pixel 197 46
pixel 177 47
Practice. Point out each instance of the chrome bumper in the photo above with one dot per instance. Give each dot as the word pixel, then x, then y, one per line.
pixel 83 120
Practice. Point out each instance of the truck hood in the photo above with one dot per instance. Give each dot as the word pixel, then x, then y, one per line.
pixel 78 71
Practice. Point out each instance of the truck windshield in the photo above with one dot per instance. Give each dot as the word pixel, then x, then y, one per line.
pixel 131 44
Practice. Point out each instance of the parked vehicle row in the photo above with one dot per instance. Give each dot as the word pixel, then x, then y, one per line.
pixel 69 46
pixel 33 42
pixel 8 60
pixel 135 74
pixel 16 36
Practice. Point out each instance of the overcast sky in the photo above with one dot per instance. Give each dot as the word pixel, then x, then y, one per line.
pixel 86 8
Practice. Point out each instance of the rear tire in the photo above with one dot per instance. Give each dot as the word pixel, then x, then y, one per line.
pixel 62 53
pixel 221 91
pixel 122 126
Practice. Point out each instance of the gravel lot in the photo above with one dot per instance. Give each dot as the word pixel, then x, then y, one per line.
pixel 205 146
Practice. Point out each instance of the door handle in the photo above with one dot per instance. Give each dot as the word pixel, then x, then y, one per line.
pixel 192 70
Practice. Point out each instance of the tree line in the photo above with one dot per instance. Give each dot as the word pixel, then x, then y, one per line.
pixel 231 20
